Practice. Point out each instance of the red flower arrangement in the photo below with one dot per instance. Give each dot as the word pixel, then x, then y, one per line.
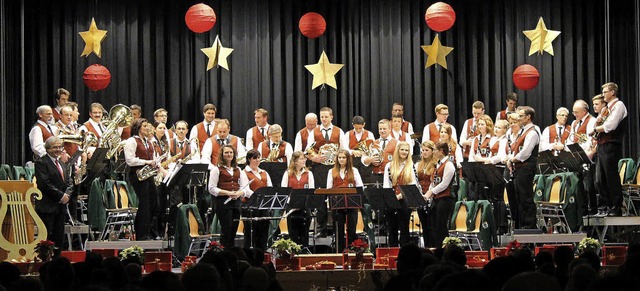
pixel 44 250
pixel 359 246
pixel 513 246
pixel 215 246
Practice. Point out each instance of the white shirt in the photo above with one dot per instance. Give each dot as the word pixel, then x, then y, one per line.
pixel 356 178
pixel 297 144
pixel 497 159
pixel 530 141
pixel 97 125
pixel 545 143
pixel 341 142
pixel 409 128
pixel 575 125
pixel 465 128
pixel 130 152
pixel 194 130
pixel 214 177
pixel 617 112
pixel 285 179
pixel 379 142
pixel 288 150
pixel 387 183
pixel 36 140
pixel 449 171
pixel 207 149
pixel 406 138
pixel 249 139
pixel 248 169
pixel 426 136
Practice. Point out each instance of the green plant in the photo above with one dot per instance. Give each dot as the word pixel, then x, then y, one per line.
pixel 451 241
pixel 133 253
pixel 285 247
pixel 588 244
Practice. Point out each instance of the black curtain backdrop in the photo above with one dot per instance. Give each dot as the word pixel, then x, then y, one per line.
pixel 155 61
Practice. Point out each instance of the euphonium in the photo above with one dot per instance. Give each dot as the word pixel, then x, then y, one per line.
pixel 159 176
pixel 273 155
pixel 120 116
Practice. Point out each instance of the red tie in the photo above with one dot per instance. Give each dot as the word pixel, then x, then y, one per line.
pixel 60 170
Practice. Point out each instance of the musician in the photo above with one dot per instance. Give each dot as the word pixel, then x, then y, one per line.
pixel 301 141
pixel 42 130
pixel 160 142
pixel 298 177
pixel 480 149
pixel 139 152
pixel 610 135
pixel 94 123
pixel 62 98
pixel 65 126
pixel 432 130
pixel 259 178
pixel 447 135
pixel 398 109
pixel 598 105
pixel 357 136
pixel 440 191
pixel 512 102
pixel 227 181
pixel 159 138
pixel 399 171
pixel 499 146
pixel 424 169
pixel 522 162
pixel 555 136
pixel 580 129
pixel 75 115
pixel 161 115
pixel 207 128
pixel 344 175
pixel 387 146
pixel 470 127
pixel 136 111
pixel 211 149
pixel 398 134
pixel 179 143
pixel 285 151
pixel 258 133
pixel 56 185
pixel 511 136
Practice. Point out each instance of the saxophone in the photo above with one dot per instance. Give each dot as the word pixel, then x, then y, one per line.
pixel 188 157
pixel 148 171
pixel 159 176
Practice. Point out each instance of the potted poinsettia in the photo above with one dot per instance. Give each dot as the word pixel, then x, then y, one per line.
pixel 285 250
pixel 133 254
pixel 215 246
pixel 44 250
pixel 588 244
pixel 359 246
pixel 451 241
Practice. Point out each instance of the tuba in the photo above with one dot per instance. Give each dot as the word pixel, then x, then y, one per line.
pixel 119 116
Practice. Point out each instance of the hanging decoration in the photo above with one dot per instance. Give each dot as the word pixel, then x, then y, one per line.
pixel 92 39
pixel 541 38
pixel 324 72
pixel 312 25
pixel 200 18
pixel 217 55
pixel 96 77
pixel 526 77
pixel 436 53
pixel 440 16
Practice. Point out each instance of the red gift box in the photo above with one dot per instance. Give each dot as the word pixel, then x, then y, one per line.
pixel 382 252
pixel 157 266
pixel 74 256
pixel 106 253
pixel 267 258
pixel 477 259
pixel 613 255
pixel 497 252
pixel 366 261
pixel 292 264
pixel 192 259
pixel 161 257
pixel 186 265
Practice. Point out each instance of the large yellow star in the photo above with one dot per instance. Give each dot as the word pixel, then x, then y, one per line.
pixel 217 55
pixel 436 53
pixel 92 39
pixel 541 38
pixel 324 72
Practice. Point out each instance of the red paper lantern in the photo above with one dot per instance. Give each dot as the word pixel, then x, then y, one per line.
pixel 526 77
pixel 200 18
pixel 312 25
pixel 440 16
pixel 96 77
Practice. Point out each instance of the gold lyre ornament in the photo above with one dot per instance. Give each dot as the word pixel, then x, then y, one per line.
pixel 18 240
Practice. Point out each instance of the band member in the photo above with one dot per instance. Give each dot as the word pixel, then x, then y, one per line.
pixel 75 115
pixel 447 135
pixel 94 124
pixel 424 169
pixel 481 144
pixel 159 138
pixel 136 111
pixel 211 149
pixel 470 128
pixel 432 130
pixel 67 127
pixel 207 128
pixel 301 141
pixel 399 172
pixel 610 135
pixel 227 181
pixel 522 162
pixel 498 156
pixel 580 134
pixel 387 146
pixel 598 105
pixel 275 142
pixel 56 185
pixel 42 130
pixel 161 115
pixel 512 102
pixel 258 133
pixel 398 109
pixel 139 152
pixel 298 177
pixel 555 136
pixel 511 136
pixel 256 232
pixel 357 136
pixel 398 134
pixel 180 143
pixel 62 98
pixel 344 175
pixel 440 191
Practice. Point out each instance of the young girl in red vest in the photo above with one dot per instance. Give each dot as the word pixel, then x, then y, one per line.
pixel 399 172
pixel 440 194
pixel 298 177
pixel 424 170
pixel 345 175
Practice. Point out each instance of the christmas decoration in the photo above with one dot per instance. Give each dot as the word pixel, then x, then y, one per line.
pixel 312 25
pixel 92 39
pixel 96 77
pixel 541 38
pixel 217 55
pixel 436 53
pixel 440 16
pixel 200 18
pixel 526 77
pixel 324 72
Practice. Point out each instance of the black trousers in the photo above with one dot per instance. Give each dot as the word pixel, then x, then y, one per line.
pixel 54 222
pixel 320 173
pixel 609 180
pixel 398 220
pixel 228 215
pixel 350 218
pixel 147 206
pixel 523 185
pixel 298 222
pixel 437 221
pixel 587 191
pixel 258 237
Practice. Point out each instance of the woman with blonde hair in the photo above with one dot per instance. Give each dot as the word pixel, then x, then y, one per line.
pixel 298 176
pixel 398 172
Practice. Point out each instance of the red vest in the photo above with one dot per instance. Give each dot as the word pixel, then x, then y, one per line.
pixel 56 114
pixel 424 179
pixel 295 184
pixel 503 115
pixel 495 147
pixel 228 182
pixel 582 129
pixel 405 126
pixel 45 132
pixel 257 137
pixel 92 129
pixel 126 133
pixel 387 154
pixel 553 133
pixel 353 141
pixel 304 135
pixel 215 151
pixel 484 145
pixel 515 147
pixel 338 182
pixel 440 173
pixel 319 137
pixel 470 133
pixel 266 150
pixel 434 134
pixel 202 133
pixel 257 183
pixel 186 147
pixel 614 135
pixel 399 182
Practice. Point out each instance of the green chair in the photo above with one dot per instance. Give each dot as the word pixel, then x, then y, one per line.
pixel 19 173
pixel 31 173
pixel 7 169
pixel 626 170
pixel 3 174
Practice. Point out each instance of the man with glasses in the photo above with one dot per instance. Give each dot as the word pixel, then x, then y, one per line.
pixel 610 135
pixel 432 130
pixel 555 136
pixel 42 130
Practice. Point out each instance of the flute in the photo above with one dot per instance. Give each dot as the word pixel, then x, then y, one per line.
pixel 245 186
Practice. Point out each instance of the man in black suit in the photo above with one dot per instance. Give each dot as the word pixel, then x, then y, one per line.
pixel 56 185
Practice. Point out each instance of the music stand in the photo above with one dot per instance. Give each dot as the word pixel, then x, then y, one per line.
pixel 477 172
pixel 191 176
pixel 546 162
pixel 413 200
pixel 382 199
pixel 96 163
pixel 305 199
pixel 265 199
pixel 341 199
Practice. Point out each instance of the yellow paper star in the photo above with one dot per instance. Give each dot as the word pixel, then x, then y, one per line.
pixel 541 38
pixel 436 53
pixel 217 55
pixel 324 72
pixel 92 39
